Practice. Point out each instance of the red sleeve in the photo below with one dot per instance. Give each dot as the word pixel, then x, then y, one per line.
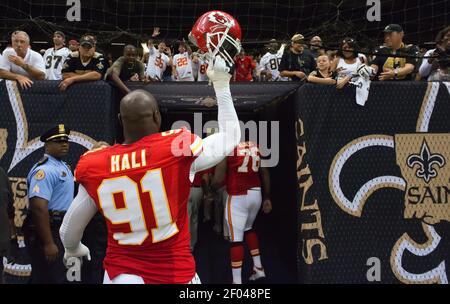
pixel 80 170
pixel 195 144
pixel 184 143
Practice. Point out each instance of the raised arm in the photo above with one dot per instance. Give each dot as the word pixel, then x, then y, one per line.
pixel 217 146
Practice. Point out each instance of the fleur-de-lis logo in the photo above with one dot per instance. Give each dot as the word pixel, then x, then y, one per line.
pixel 426 160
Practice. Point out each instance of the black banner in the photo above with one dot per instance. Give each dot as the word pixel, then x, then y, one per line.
pixel 26 114
pixel 373 184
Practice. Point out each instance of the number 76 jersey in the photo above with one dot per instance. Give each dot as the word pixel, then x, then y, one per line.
pixel 243 168
pixel 142 190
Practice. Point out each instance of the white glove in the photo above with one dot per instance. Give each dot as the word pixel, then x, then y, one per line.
pixel 366 71
pixel 79 252
pixel 218 72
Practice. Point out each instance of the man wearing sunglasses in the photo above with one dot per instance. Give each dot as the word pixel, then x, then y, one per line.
pixel 50 192
pixel 83 65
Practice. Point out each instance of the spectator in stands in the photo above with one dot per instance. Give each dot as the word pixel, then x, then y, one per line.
pixel 200 66
pixel 430 66
pixel 55 57
pixel 316 47
pixel 73 45
pixel 159 59
pixel 126 68
pixel 182 63
pixel 388 64
pixel 347 62
pixel 268 65
pixel 322 74
pixel 244 66
pixel 297 62
pixel 83 65
pixel 20 62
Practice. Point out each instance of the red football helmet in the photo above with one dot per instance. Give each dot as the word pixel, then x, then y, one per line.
pixel 217 32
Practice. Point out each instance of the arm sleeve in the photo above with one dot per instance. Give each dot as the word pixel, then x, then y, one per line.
pixel 378 60
pixel 425 67
pixel 101 66
pixel 413 51
pixel 116 67
pixel 4 62
pixel 38 62
pixel 141 71
pixel 41 187
pixel 68 66
pixel 76 219
pixel 284 63
pixel 217 146
pixel 262 63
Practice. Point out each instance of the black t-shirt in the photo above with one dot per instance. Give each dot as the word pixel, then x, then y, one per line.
pixel 125 70
pixel 73 64
pixel 385 59
pixel 317 74
pixel 303 62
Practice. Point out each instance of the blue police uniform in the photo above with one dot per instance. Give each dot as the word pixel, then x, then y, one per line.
pixel 52 180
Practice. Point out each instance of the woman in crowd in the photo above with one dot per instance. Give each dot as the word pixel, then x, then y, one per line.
pixel 347 62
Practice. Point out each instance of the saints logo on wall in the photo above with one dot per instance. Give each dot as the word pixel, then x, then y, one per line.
pixel 16 144
pixel 426 174
pixel 424 162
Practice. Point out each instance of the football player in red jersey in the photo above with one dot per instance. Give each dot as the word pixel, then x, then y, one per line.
pixel 142 186
pixel 244 179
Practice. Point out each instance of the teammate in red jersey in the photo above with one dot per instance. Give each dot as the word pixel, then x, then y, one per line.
pixel 142 187
pixel 244 66
pixel 244 179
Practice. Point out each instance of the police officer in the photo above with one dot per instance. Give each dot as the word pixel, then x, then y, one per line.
pixel 50 192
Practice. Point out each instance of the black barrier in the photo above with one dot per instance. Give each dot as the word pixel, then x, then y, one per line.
pixel 374 184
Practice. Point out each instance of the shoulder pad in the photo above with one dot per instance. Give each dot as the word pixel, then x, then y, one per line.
pixel 42 161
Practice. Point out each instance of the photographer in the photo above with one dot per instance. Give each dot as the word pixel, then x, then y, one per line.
pixel 437 67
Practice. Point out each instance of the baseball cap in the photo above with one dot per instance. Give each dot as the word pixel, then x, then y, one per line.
pixel 60 34
pixel 393 28
pixel 73 41
pixel 87 40
pixel 298 38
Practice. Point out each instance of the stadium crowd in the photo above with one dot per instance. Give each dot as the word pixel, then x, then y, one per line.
pixel 300 60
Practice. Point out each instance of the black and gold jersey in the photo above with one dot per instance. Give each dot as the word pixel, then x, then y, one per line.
pixel 73 64
pixel 386 59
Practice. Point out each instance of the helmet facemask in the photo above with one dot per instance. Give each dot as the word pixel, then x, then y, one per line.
pixel 227 47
